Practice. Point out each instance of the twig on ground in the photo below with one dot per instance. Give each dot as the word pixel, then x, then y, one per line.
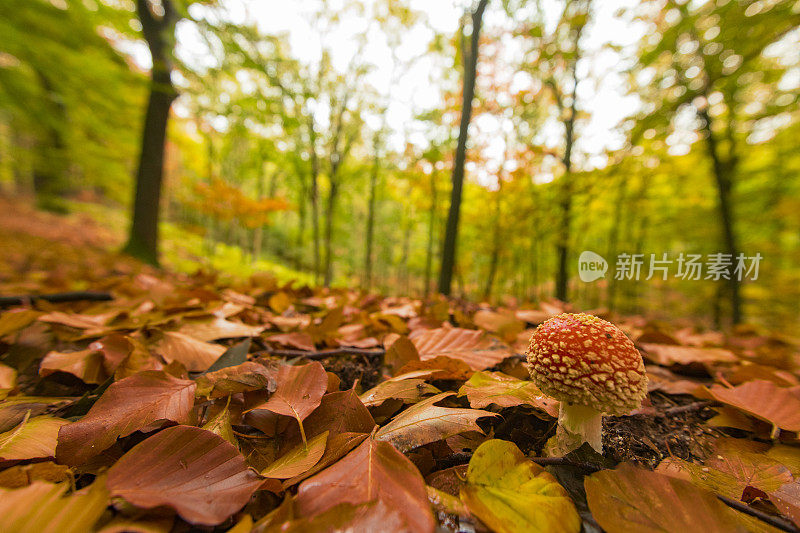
pixel 57 298
pixel 688 408
pixel 322 354
pixel 772 520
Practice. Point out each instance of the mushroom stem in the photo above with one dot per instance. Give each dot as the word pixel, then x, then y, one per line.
pixel 578 424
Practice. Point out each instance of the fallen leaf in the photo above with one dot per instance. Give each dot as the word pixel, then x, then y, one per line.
pixel 787 500
pixel 44 507
pixel 299 392
pixel 195 355
pixel 215 328
pixel 298 460
pixel 338 412
pixel 336 448
pixel 248 376
pixel 17 319
pixel 8 380
pixel 504 324
pixel 788 456
pixel 33 438
pixel 763 400
pixel 441 367
pixel 235 355
pixel 509 493
pixel 667 355
pixel 197 473
pixel 486 388
pixel 121 524
pixel 23 475
pixel 279 302
pixel 15 408
pixel 408 390
pixel 296 339
pixel 401 352
pixel 473 347
pixel 632 499
pixel 126 406
pixel 220 424
pixel 86 365
pixel 373 471
pixel 425 422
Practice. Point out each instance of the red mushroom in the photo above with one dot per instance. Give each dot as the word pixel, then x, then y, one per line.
pixel 593 368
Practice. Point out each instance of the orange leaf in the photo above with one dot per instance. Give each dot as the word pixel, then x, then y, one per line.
pixel 195 355
pixel 764 400
pixel 194 471
pixel 471 346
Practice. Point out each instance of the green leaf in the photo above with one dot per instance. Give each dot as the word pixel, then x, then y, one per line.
pixel 510 493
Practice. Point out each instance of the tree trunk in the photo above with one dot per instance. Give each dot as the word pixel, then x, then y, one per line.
pixel 315 205
pixel 451 232
pixel 332 196
pixel 723 173
pixel 495 256
pixel 373 185
pixel 143 239
pixel 431 234
pixel 613 245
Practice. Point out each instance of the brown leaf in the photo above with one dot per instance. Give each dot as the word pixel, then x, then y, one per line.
pixel 195 355
pixel 13 410
pixel 296 339
pixel 215 328
pixel 248 376
pixel 787 500
pixel 86 365
pixel 43 507
pixel 338 412
pixel 470 346
pixel 337 447
pixel 667 355
pixel 298 460
pixel 126 406
pixel 504 324
pixel 425 422
pixel 763 400
pixel 443 367
pixel 17 319
pixel 409 390
pixel 486 388
pixel 33 438
pixel 632 499
pixel 23 475
pixel 373 471
pixel 401 352
pixel 299 392
pixel 194 471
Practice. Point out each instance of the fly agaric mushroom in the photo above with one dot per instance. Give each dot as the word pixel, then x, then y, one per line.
pixel 593 368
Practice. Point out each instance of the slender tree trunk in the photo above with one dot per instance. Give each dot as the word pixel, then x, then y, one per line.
pixel 495 256
pixel 315 205
pixel 723 172
pixel 50 158
pixel 613 245
pixel 451 233
pixel 332 196
pixel 158 32
pixel 431 234
pixel 373 185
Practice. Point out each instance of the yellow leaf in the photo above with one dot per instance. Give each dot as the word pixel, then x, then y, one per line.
pixel 510 493
pixel 298 460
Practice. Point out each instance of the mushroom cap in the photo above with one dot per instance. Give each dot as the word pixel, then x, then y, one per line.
pixel 582 359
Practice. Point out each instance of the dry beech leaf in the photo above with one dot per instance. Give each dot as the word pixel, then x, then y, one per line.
pixel 220 424
pixel 409 390
pixel 299 392
pixel 375 470
pixel 473 347
pixel 54 511
pixel 298 460
pixel 632 499
pixel 23 475
pixel 33 438
pixel 787 500
pixel 17 319
pixel 425 422
pixel 194 471
pixel 86 365
pixel 504 324
pixel 401 352
pixel 763 400
pixel 297 339
pixel 8 380
pixel 121 524
pixel 439 367
pixel 366 517
pixel 126 406
pixel 667 355
pixel 336 448
pixel 788 456
pixel 486 388
pixel 248 376
pixel 195 355
pixel 730 475
pixel 215 328
pixel 78 321
pixel 509 493
pixel 13 410
pixel 338 412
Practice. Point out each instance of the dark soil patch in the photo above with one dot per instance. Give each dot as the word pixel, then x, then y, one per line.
pixel 349 368
pixel 646 439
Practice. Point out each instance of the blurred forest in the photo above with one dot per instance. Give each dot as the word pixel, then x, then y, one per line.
pixel 360 157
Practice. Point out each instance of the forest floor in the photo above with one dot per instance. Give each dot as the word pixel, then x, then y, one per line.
pixel 301 409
